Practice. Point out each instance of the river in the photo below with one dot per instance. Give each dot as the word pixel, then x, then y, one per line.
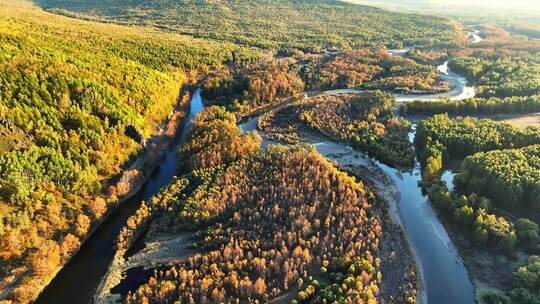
pixel 459 86
pixel 78 280
pixel 443 274
pixel 445 279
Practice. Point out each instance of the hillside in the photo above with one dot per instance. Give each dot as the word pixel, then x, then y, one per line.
pixel 69 92
pixel 496 9
pixel 306 25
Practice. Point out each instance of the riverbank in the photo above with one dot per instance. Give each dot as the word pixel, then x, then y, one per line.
pixel 164 250
pixel 488 270
pixel 159 251
pixel 402 273
pixel 521 120
pixel 399 266
pixel 399 247
pixel 131 182
pixel 442 276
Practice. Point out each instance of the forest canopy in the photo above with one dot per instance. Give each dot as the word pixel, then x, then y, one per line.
pixel 296 227
pixel 495 197
pixel 77 101
pixel 275 24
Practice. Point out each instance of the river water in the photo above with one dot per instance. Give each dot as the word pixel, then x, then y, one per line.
pixel 459 86
pixel 442 271
pixel 444 277
pixel 76 283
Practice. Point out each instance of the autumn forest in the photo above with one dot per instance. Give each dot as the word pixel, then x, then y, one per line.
pixel 267 151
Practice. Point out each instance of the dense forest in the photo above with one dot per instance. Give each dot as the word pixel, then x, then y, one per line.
pixel 504 70
pixel 265 244
pixel 492 105
pixel 370 68
pixel 276 24
pixel 215 139
pixel 464 136
pixel 502 74
pixel 515 173
pixel 495 197
pixel 87 107
pixel 78 101
pixel 279 223
pixel 253 87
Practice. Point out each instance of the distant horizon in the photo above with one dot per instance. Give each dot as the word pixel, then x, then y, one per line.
pixel 529 7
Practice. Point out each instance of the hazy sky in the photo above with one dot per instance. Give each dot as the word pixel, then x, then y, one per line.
pixel 498 3
pixel 526 6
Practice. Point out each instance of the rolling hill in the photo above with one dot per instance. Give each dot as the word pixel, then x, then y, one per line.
pixel 306 25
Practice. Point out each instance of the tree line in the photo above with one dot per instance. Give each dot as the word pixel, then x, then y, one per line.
pixel 494 201
pixel 305 25
pixel 475 105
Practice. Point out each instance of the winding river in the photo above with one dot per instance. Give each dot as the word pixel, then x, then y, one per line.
pixel 459 88
pixel 444 277
pixel 77 281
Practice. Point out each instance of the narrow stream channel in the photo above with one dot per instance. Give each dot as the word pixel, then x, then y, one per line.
pixel 78 280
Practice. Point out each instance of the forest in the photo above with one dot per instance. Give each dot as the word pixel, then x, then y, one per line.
pixel 371 68
pixel 78 101
pixel 90 90
pixel 477 105
pixel 283 222
pixel 503 74
pixel 251 87
pixel 495 198
pixel 463 136
pixel 514 172
pixel 308 26
pixel 269 244
pixel 504 69
pixel 215 139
